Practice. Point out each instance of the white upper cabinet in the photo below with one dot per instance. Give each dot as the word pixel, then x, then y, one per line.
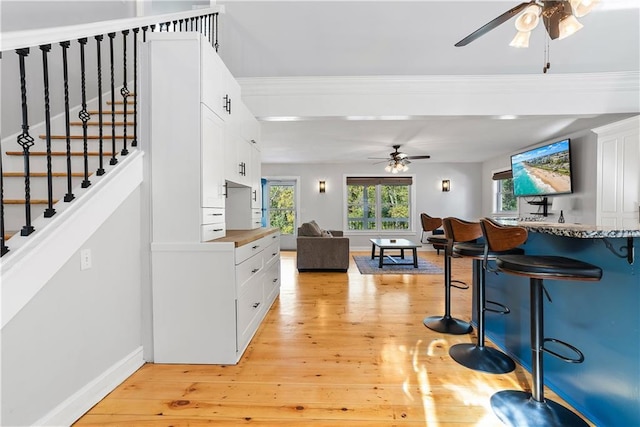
pixel 618 174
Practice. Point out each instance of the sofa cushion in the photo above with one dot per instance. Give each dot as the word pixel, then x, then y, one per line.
pixel 310 229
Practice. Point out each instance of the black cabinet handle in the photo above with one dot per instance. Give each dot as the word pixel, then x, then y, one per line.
pixel 255 270
pixel 256 305
pixel 217 229
pixel 255 247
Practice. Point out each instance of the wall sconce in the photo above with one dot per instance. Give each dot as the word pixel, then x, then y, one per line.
pixel 446 185
pixel 323 186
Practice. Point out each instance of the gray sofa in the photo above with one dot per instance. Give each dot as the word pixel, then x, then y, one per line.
pixel 315 252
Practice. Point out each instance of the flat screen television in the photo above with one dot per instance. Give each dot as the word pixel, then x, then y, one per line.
pixel 543 171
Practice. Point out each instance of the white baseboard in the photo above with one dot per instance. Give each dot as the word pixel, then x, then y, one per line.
pixel 80 402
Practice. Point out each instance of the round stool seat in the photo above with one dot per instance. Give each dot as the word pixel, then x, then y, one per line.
pixel 476 250
pixel 548 267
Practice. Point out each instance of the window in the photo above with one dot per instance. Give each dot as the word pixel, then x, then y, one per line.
pixel 379 203
pixel 281 208
pixel 504 200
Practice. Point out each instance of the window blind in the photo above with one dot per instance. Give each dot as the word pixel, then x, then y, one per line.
pixel 383 180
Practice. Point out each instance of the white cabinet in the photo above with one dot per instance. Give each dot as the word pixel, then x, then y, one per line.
pixel 618 174
pixel 186 142
pixel 210 298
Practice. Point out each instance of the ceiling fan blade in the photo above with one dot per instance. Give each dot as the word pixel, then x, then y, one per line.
pixel 494 23
pixel 418 157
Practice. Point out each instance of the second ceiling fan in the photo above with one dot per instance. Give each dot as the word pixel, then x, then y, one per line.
pixel 558 16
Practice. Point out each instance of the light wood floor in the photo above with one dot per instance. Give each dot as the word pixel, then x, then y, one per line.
pixel 335 350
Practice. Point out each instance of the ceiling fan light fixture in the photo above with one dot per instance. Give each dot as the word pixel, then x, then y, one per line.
pixel 583 7
pixel 568 26
pixel 521 40
pixel 528 20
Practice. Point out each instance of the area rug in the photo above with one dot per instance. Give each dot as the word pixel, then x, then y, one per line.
pixel 366 265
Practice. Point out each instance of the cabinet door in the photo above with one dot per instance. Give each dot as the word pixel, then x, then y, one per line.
pixel 212 160
pixel 256 176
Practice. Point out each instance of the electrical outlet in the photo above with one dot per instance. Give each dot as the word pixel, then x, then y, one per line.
pixel 85 259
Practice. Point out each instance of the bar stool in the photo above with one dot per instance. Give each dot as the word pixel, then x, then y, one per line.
pixel 431 224
pixel 516 407
pixel 478 356
pixel 447 324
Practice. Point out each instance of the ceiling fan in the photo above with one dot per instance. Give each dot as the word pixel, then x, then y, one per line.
pixel 559 17
pixel 398 161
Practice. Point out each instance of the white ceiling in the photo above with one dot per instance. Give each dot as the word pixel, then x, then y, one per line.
pixel 414 38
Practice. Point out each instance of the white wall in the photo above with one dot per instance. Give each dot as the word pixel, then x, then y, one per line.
pixel 81 324
pixel 583 162
pixel 463 201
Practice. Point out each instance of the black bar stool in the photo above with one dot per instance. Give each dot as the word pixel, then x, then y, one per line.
pixel 515 407
pixel 447 324
pixel 478 356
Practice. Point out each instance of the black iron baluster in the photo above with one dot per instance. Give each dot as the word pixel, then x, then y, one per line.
pixel 3 248
pixel 181 21
pixel 84 115
pixel 26 142
pixel 168 25
pixel 67 119
pixel 202 30
pixel 134 143
pixel 191 19
pixel 210 23
pixel 100 170
pixel 124 91
pixel 175 23
pixel 153 28
pixel 46 48
pixel 215 24
pixel 160 27
pixel 113 160
pixel 144 33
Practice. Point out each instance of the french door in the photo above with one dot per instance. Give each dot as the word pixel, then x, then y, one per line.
pixel 282 210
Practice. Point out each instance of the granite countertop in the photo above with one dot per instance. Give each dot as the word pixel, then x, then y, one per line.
pixel 243 237
pixel 582 231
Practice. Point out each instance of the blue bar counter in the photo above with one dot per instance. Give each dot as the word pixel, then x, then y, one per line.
pixel 602 319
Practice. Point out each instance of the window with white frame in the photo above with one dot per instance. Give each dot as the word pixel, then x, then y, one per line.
pixel 504 200
pixel 378 203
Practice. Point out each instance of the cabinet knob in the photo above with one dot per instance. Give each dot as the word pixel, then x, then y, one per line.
pixel 275 280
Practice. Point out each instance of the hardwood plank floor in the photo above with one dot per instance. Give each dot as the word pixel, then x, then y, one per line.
pixel 335 349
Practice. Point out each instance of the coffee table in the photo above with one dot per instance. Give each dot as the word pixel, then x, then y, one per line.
pixel 401 244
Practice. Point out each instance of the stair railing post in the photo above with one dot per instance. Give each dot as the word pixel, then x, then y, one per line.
pixel 113 160
pixel 26 142
pixel 100 170
pixel 84 114
pixel 67 118
pixel 46 48
pixel 134 143
pixel 124 91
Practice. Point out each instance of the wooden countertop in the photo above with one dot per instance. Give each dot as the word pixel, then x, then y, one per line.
pixel 243 237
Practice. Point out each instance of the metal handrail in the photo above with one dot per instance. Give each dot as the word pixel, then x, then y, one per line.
pixel 28 38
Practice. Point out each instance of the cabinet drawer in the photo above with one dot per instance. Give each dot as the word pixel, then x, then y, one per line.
pixel 271 282
pixel 212 216
pixel 250 306
pixel 211 232
pixel 244 252
pixel 271 253
pixel 247 270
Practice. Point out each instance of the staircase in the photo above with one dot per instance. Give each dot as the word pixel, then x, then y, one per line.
pixel 65 187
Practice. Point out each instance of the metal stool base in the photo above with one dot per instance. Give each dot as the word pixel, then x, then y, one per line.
pixel 485 359
pixel 518 408
pixel 447 325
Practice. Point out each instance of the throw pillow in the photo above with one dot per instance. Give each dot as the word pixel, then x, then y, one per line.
pixel 326 233
pixel 307 229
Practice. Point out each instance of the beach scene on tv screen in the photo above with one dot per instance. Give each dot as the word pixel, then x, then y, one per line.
pixel 545 170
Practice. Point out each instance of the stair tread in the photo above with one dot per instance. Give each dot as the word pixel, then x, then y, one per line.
pixel 58 153
pixel 103 123
pixel 22 201
pixel 41 174
pixel 88 137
